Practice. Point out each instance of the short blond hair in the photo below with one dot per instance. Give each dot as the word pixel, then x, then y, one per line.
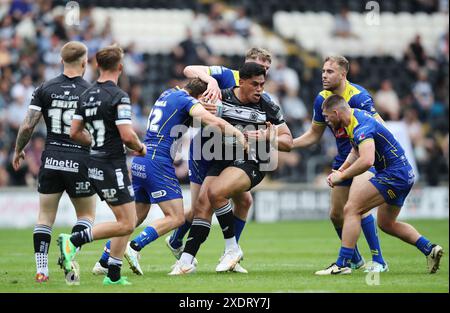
pixel 341 61
pixel 73 52
pixel 258 53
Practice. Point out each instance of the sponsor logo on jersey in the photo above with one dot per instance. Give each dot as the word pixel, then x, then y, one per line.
pixel 109 194
pixel 341 133
pixel 215 70
pixel 138 170
pixel 69 86
pixel 125 100
pixel 96 174
pixel 82 187
pixel 124 111
pixel 64 96
pixel 61 165
pixel 159 194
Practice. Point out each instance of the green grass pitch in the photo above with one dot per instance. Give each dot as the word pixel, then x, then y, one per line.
pixel 280 257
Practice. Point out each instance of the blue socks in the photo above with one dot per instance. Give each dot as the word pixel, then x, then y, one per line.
pixel 105 256
pixel 238 227
pixel 148 235
pixel 345 257
pixel 176 240
pixel 356 258
pixel 424 245
pixel 370 232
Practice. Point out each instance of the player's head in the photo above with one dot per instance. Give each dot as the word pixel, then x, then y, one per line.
pixel 252 77
pixel 74 55
pixel 196 87
pixel 109 59
pixel 335 110
pixel 260 56
pixel 334 71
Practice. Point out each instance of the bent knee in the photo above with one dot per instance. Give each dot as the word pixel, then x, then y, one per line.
pixel 350 209
pixel 386 226
pixel 177 220
pixel 244 203
pixel 336 216
pixel 214 195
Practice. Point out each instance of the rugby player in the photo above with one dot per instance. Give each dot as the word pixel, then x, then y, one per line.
pixel 153 176
pixel 373 145
pixel 64 162
pixel 105 111
pixel 334 80
pixel 217 78
pixel 243 106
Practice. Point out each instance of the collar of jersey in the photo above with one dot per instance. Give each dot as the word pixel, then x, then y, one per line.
pixel 353 123
pixel 348 93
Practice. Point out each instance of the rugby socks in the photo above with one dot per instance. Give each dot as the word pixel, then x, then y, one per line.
pixel 148 235
pixel 226 220
pixel 345 257
pixel 357 256
pixel 424 245
pixel 238 227
pixel 176 240
pixel 114 266
pixel 42 236
pixel 105 256
pixel 370 232
pixel 197 235
pixel 81 224
pixel 80 238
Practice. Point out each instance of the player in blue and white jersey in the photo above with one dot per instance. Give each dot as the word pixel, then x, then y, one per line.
pixel 373 145
pixel 153 176
pixel 217 77
pixel 334 80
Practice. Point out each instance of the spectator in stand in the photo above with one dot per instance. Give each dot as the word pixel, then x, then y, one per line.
pixel 342 24
pixel 242 24
pixel 415 55
pixel 387 102
pixel 423 93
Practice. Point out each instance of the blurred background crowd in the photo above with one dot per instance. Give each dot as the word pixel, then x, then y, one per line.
pixel 409 84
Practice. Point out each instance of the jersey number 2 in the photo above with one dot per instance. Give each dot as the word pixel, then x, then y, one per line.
pixel 154 118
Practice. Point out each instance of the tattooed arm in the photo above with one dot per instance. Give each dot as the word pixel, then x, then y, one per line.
pixel 24 135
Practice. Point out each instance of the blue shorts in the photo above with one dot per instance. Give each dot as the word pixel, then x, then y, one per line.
pixel 348 182
pixel 197 168
pixel 394 184
pixel 154 180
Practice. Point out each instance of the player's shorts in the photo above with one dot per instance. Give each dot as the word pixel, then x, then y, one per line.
pixel 197 167
pixel 348 182
pixel 154 180
pixel 109 178
pixel 64 170
pixel 394 184
pixel 198 170
pixel 251 168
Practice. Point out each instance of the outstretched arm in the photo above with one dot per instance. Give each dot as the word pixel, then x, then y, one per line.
pixel 311 137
